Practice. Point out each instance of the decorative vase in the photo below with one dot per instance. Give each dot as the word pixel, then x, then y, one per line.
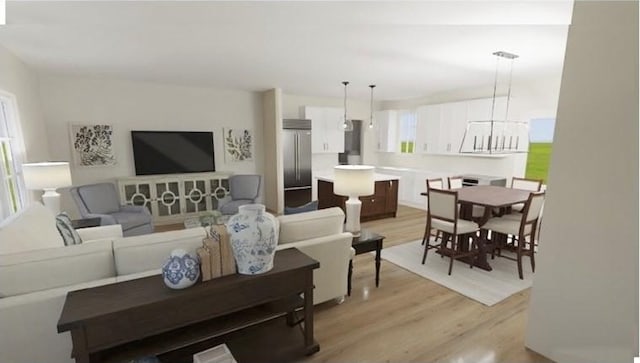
pixel 254 236
pixel 181 270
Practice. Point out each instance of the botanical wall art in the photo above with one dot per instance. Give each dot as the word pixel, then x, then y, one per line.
pixel 238 144
pixel 93 145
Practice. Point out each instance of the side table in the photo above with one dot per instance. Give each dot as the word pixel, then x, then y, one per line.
pixel 85 223
pixel 367 241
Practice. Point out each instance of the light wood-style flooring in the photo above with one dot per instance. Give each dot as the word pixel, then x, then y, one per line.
pixel 412 319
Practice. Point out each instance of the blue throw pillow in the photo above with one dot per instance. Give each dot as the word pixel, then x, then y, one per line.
pixel 309 207
pixel 69 235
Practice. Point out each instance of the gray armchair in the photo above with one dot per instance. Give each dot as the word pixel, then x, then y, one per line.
pixel 244 189
pixel 101 201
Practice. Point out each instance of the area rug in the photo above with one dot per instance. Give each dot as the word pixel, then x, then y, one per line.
pixel 486 287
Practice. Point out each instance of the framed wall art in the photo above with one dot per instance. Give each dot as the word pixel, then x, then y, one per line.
pixel 238 144
pixel 92 145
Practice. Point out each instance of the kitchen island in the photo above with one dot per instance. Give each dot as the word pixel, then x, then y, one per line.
pixel 382 204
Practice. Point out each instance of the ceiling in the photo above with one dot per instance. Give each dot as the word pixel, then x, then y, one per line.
pixel 409 49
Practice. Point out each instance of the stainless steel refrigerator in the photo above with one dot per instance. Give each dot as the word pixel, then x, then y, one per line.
pixel 297 162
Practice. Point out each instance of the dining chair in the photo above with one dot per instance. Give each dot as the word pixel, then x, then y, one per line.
pixel 523 228
pixel 455 182
pixel 443 216
pixel 533 185
pixel 436 183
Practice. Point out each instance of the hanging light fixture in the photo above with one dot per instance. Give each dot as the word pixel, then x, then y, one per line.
pixel 372 86
pixel 347 124
pixel 496 136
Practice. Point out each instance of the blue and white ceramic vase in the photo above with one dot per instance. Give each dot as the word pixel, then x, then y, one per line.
pixel 254 236
pixel 181 270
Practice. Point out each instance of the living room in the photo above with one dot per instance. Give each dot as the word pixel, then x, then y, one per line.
pixel 61 67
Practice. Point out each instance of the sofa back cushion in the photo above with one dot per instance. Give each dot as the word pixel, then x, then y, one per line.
pixel 303 226
pixel 43 269
pixel 149 252
pixel 32 228
pixel 99 198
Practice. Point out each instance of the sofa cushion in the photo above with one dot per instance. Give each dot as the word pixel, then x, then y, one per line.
pixel 32 228
pixel 100 198
pixel 148 252
pixel 69 235
pixel 130 220
pixel 43 269
pixel 298 227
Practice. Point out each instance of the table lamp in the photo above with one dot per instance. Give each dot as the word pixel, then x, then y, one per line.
pixel 47 176
pixel 353 181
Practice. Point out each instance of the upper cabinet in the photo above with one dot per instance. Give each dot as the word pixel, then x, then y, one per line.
pixel 386 127
pixel 327 133
pixel 428 129
pixel 441 128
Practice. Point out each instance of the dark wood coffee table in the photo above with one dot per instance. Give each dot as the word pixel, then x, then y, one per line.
pixel 255 316
pixel 367 241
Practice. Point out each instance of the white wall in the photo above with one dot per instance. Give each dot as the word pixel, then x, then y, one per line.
pixel 144 106
pixel 274 172
pixel 584 301
pixel 537 99
pixel 18 80
pixel 293 107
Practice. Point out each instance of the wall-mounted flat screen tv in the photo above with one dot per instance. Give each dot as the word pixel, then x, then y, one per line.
pixel 172 152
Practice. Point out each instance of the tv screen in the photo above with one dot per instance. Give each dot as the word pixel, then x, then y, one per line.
pixel 172 152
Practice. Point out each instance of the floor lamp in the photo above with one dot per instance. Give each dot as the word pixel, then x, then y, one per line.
pixel 47 176
pixel 353 181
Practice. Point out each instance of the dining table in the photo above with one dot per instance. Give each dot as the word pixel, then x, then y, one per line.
pixel 492 198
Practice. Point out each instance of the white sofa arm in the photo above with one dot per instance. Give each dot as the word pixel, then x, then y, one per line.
pixel 111 231
pixel 29 323
pixel 333 252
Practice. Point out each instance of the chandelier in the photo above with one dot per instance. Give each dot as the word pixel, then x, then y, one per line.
pixel 496 135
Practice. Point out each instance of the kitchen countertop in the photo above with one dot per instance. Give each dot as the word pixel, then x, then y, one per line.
pixel 328 176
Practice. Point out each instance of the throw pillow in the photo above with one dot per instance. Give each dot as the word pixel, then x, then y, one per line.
pixel 309 207
pixel 69 235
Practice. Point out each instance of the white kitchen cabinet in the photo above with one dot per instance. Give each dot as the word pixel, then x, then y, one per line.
pixel 386 125
pixel 327 132
pixel 453 122
pixel 428 129
pixel 480 109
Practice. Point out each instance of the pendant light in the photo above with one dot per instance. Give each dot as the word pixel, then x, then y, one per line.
pixel 347 125
pixel 496 135
pixel 372 86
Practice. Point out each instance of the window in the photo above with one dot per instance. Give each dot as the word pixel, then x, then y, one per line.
pixel 540 147
pixel 11 187
pixel 408 122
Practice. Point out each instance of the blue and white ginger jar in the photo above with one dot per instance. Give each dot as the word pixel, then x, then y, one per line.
pixel 254 236
pixel 181 270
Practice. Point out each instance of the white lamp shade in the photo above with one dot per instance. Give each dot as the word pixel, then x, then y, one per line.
pixel 47 175
pixel 353 180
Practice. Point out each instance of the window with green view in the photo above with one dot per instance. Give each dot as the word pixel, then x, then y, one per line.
pixel 540 146
pixel 408 122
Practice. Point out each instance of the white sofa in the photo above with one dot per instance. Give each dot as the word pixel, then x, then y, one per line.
pixel 36 276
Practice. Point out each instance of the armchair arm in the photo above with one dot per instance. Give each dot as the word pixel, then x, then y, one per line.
pixel 134 208
pixel 225 200
pixel 105 219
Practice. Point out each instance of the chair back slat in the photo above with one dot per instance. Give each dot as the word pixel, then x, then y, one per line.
pixel 533 185
pixel 435 184
pixel 533 207
pixel 455 182
pixel 443 204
